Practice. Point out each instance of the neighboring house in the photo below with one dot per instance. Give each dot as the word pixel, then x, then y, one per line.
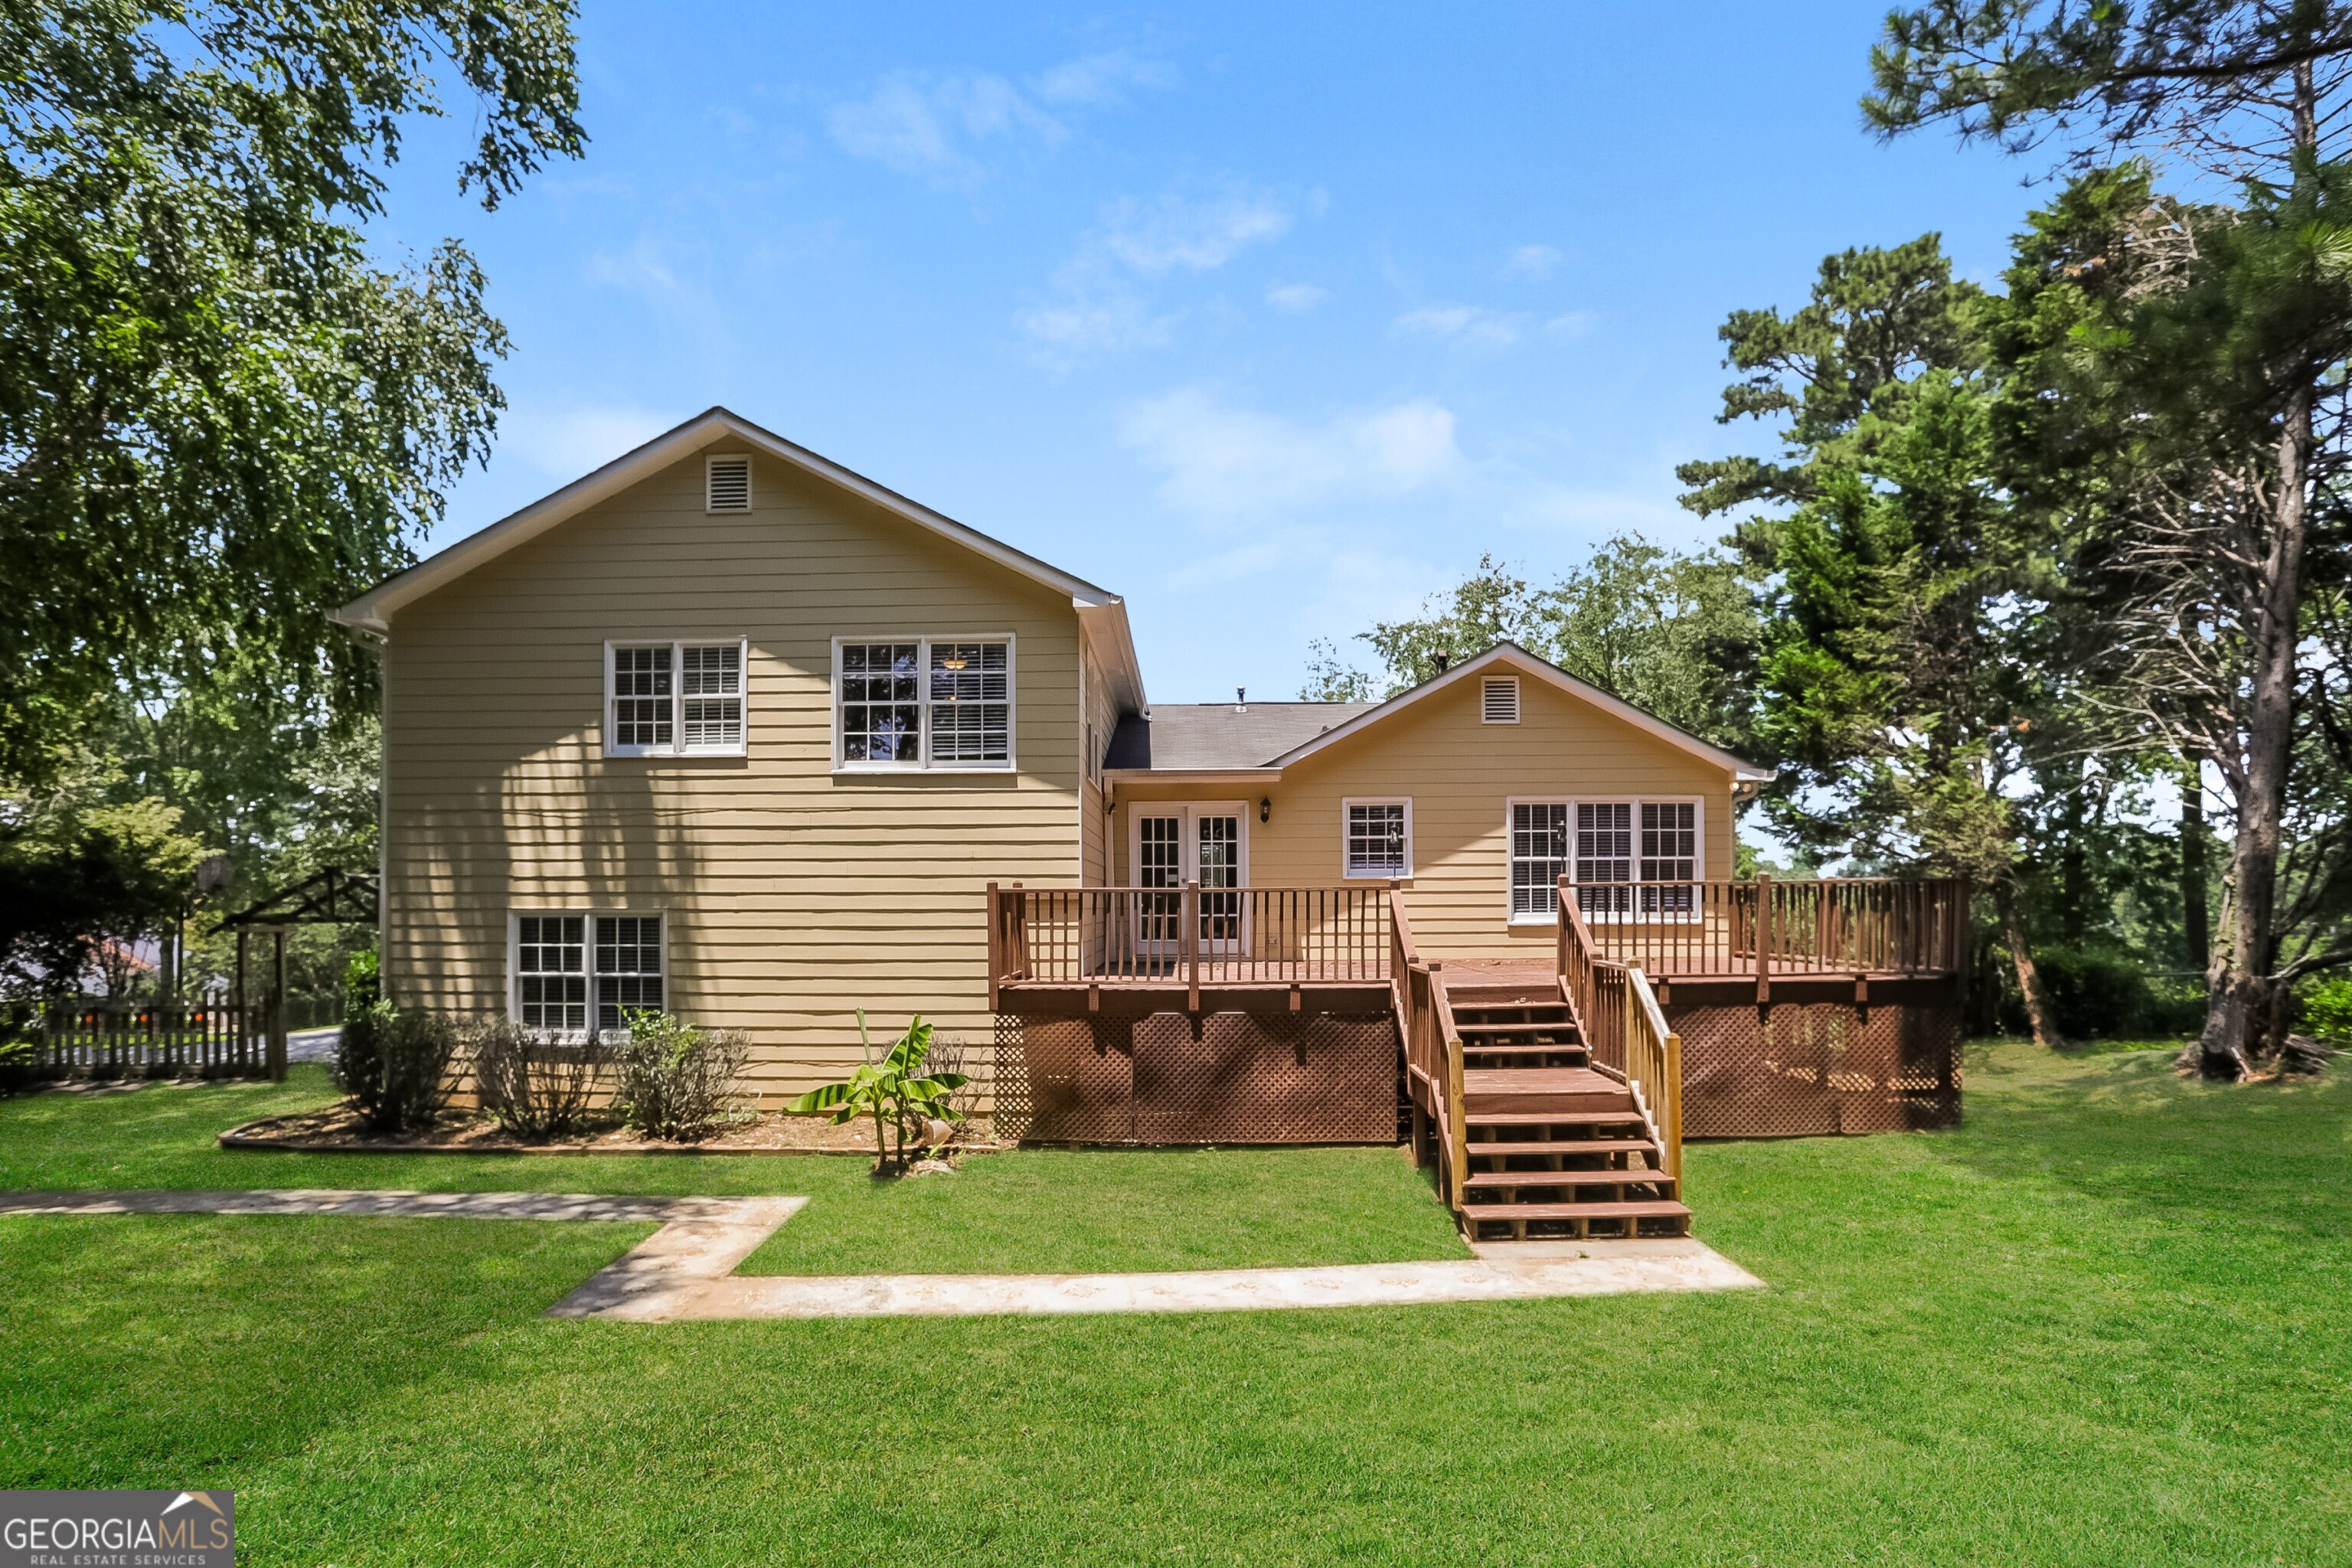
pixel 727 729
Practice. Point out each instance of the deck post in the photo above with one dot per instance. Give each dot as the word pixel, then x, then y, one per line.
pixel 1457 1131
pixel 996 945
pixel 1420 1133
pixel 1188 944
pixel 1763 939
pixel 1673 1130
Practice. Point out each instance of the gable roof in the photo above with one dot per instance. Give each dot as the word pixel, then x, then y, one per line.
pixel 1511 655
pixel 1102 611
pixel 1267 737
pixel 1221 736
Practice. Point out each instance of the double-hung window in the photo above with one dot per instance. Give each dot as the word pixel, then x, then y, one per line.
pixel 570 967
pixel 673 698
pixel 1627 859
pixel 1378 838
pixel 923 702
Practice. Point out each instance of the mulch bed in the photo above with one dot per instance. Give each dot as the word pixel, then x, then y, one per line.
pixel 336 1130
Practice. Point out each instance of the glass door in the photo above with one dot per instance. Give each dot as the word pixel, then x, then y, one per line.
pixel 1173 845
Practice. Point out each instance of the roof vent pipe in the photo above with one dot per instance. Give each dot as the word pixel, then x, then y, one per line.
pixel 1241 698
pixel 1441 658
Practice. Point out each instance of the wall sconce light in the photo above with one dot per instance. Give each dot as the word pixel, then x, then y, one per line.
pixel 1265 808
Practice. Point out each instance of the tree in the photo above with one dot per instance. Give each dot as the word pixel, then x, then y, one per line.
pixel 218 413
pixel 1895 583
pixel 2254 92
pixel 1673 633
pixel 81 875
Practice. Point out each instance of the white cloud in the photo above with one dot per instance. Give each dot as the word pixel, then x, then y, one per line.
pixel 1221 462
pixel 1534 262
pixel 1569 325
pixel 1176 231
pixel 570 442
pixel 1096 307
pixel 1099 81
pixel 1295 297
pixel 940 126
pixel 1463 324
pixel 929 126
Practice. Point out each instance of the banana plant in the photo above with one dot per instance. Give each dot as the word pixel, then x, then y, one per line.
pixel 895 1089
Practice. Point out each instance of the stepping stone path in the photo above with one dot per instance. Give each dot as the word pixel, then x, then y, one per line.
pixel 686 1271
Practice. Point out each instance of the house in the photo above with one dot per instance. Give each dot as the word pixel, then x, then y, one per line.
pixel 727 729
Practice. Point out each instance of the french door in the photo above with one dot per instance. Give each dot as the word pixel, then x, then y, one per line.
pixel 1173 845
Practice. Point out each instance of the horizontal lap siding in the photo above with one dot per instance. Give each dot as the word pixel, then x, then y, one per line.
pixel 795 896
pixel 1459 773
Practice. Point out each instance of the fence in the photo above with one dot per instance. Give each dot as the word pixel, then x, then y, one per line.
pixel 215 1037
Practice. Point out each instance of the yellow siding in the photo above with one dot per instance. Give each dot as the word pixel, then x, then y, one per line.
pixel 1100 718
pixel 1459 773
pixel 794 895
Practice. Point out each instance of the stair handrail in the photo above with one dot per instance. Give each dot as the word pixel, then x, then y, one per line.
pixel 1454 1129
pixel 1654 1067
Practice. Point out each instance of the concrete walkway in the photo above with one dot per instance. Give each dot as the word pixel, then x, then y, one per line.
pixel 686 1271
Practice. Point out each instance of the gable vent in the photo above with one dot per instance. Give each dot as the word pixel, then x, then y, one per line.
pixel 1499 700
pixel 726 484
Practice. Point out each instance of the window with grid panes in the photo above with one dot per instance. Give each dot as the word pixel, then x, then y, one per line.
pixel 710 697
pixel 642 694
pixel 1539 858
pixel 936 702
pixel 1669 854
pixel 551 971
pixel 675 699
pixel 972 709
pixel 1379 843
pixel 628 960
pixel 1605 855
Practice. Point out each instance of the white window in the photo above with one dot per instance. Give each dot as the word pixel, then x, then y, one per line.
pixel 1627 859
pixel 1376 837
pixel 1499 699
pixel 923 702
pixel 726 484
pixel 566 963
pixel 1539 858
pixel 673 698
pixel 550 973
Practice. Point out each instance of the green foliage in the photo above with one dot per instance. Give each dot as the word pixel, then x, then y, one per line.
pixel 395 1066
pixel 363 979
pixel 1673 633
pixel 78 873
pixel 218 412
pixel 2327 1010
pixel 895 1089
pixel 678 1080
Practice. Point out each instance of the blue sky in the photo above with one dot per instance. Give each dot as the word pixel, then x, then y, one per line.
pixel 1271 319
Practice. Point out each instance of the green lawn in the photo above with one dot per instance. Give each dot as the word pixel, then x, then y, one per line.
pixel 2105 1323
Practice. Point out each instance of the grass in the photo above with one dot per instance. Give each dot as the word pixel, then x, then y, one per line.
pixel 2102 1323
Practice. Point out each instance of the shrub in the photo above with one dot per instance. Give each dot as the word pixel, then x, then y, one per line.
pixel 395 1066
pixel 678 1080
pixel 19 1062
pixel 918 1100
pixel 2327 1010
pixel 363 985
pixel 534 1084
pixel 2094 996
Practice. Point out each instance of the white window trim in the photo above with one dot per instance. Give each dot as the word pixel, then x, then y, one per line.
pixel 1347 872
pixel 1189 810
pixel 1510 681
pixel 1698 839
pixel 677 746
pixel 709 458
pixel 588 916
pixel 1011 763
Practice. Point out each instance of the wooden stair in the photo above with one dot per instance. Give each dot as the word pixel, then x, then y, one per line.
pixel 1555 1149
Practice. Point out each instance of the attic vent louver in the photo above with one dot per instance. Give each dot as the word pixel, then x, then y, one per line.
pixel 726 484
pixel 1499 700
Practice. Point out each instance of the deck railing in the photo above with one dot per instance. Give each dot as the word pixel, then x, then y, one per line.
pixel 1189 935
pixel 1831 926
pixel 1433 1056
pixel 1625 1028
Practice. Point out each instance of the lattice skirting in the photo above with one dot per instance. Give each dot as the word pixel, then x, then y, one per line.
pixel 1797 1068
pixel 1218 1077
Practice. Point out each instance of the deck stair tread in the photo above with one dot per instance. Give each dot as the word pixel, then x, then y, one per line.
pixel 1567 1179
pixel 1650 1208
pixel 1628 1117
pixel 1538 1081
pixel 1561 1027
pixel 1526 1048
pixel 1502 1147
